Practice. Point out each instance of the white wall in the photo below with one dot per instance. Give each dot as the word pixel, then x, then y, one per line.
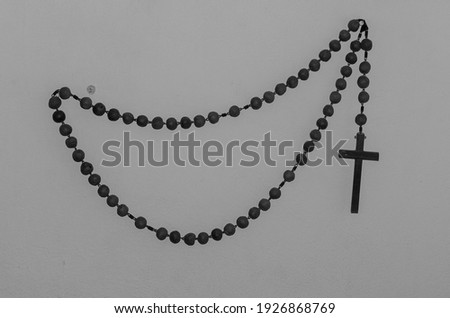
pixel 173 58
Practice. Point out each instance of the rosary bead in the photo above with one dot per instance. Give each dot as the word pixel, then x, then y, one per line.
pixel 189 239
pixel 303 74
pixel 314 65
pixel 292 82
pixel 86 168
pixel 366 45
pixel 171 123
pixel 122 210
pixel 112 200
pixel 364 67
pixel 103 191
pixel 360 119
pixel 229 229
pixel 351 58
pixel 335 45
pixel 203 238
pixel 185 122
pixel 213 117
pixel 315 135
pixel 363 81
pixel 71 142
pixel 269 97
pixel 341 84
pixel 325 55
pixel 140 222
pixel 113 114
pixel 199 121
pixel 175 237
pixel 234 111
pixel 216 234
pixel 157 123
pixel 288 176
pixel 280 89
pixel 142 121
pixel 94 179
pixel 353 25
pixel 65 93
pixel 322 123
pixel 328 110
pixel 264 204
pixel 346 71
pixel 59 116
pixel 302 159
pixel 335 97
pixel 86 103
pixel 242 222
pixel 355 46
pixel 78 155
pixel 344 35
pixel 275 193
pixel 363 97
pixel 256 102
pixel 99 109
pixel 308 146
pixel 127 118
pixel 253 213
pixel 54 102
pixel 161 233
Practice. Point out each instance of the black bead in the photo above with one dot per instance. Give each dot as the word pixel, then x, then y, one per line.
pixel 335 97
pixel 366 45
pixel 203 238
pixel 189 239
pixel 242 222
pixel 127 118
pixel 161 233
pixel 78 155
pixel 185 122
pixel 171 123
pixel 112 200
pixel 364 67
pixel 325 55
pixel 199 121
pixel 328 110
pixel 335 45
pixel 303 74
pixel 280 89
pixel 314 65
pixel 229 229
pixel 315 135
pixel 54 102
pixel 363 81
pixel 353 25
pixel 86 103
pixel 288 176
pixel 216 234
pixel 213 117
pixel 360 119
pixel 140 222
pixel 142 121
pixel 157 123
pixel 59 116
pixel 103 191
pixel 355 46
pixel 302 159
pixel 256 103
pixel 292 82
pixel 351 58
pixel 94 179
pixel 322 123
pixel 275 193
pixel 175 237
pixel 264 204
pixel 341 83
pixel 86 168
pixel 346 71
pixel 99 109
pixel 344 35
pixel 113 114
pixel 308 146
pixel 253 213
pixel 269 97
pixel 363 97
pixel 65 93
pixel 71 142
pixel 122 210
pixel 234 111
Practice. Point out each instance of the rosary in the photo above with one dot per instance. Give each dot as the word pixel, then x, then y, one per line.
pixel 213 117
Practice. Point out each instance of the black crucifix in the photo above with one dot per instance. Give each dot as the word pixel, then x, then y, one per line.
pixel 359 155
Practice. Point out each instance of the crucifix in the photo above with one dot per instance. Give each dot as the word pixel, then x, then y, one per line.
pixel 359 155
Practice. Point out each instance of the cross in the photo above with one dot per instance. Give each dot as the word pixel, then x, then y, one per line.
pixel 359 155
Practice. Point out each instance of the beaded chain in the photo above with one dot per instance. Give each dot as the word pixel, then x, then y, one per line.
pixel 213 117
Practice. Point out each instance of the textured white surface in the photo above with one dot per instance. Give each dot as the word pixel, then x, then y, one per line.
pixel 172 58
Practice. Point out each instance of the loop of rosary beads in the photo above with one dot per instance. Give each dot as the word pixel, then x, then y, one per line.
pixel 242 222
